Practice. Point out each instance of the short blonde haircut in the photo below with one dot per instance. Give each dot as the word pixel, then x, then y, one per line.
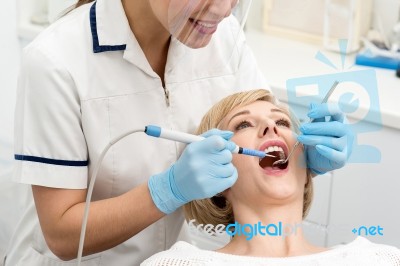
pixel 217 210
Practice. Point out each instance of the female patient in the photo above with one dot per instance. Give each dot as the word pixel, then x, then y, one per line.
pixel 264 195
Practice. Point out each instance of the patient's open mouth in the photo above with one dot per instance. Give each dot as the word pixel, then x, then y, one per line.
pixel 279 152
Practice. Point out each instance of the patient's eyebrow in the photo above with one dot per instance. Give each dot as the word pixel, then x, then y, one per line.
pixel 278 110
pixel 244 112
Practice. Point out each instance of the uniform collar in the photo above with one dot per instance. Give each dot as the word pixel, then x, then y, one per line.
pixel 109 26
pixel 111 32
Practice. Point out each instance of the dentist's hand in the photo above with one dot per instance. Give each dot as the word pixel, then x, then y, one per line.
pixel 328 144
pixel 203 170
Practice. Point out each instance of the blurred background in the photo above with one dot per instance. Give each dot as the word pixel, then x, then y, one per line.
pixel 285 36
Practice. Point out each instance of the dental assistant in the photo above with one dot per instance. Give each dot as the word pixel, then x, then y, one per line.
pixel 105 68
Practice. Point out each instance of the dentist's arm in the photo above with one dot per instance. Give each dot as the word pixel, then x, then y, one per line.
pixel 203 170
pixel 111 221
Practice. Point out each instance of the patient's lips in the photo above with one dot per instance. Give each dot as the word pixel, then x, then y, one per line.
pixel 280 150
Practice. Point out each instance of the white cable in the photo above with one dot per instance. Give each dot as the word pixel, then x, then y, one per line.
pixel 91 185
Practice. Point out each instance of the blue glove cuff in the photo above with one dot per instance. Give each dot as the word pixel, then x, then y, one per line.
pixel 315 172
pixel 162 194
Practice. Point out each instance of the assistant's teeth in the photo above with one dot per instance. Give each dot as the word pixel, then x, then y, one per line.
pixel 204 24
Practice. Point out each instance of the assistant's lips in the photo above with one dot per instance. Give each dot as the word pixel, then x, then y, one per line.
pixel 204 26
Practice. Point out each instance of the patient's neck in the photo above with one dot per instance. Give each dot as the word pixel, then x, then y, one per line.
pixel 283 235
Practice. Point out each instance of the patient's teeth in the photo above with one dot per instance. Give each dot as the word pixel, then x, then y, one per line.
pixel 273 148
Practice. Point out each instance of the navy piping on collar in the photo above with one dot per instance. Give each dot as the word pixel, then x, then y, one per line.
pixel 49 161
pixel 93 26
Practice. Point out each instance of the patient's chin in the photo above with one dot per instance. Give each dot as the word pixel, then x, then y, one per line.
pixel 281 196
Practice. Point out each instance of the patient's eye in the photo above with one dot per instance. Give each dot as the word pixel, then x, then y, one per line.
pixel 282 122
pixel 242 125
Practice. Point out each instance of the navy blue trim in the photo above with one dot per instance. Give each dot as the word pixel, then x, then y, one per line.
pixel 93 26
pixel 49 161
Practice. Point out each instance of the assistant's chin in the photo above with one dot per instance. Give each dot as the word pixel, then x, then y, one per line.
pixel 196 44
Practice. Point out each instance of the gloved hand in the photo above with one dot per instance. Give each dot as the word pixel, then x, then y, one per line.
pixel 203 170
pixel 328 144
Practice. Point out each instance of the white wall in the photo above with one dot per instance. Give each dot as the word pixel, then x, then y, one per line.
pixel 255 18
pixel 387 12
pixel 9 66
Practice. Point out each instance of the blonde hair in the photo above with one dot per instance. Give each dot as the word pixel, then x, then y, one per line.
pixel 217 210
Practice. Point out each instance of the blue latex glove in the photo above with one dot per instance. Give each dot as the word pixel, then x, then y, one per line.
pixel 203 170
pixel 328 144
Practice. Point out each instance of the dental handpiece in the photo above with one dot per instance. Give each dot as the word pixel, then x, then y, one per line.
pixel 159 132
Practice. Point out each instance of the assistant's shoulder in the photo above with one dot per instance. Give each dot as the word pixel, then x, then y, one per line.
pixel 180 254
pixel 71 31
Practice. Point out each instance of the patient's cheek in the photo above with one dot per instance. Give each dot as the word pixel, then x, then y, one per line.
pixel 236 160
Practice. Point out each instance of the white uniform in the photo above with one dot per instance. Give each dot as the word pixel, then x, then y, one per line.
pixel 84 81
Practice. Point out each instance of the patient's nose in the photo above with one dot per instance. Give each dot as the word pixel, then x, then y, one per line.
pixel 270 130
